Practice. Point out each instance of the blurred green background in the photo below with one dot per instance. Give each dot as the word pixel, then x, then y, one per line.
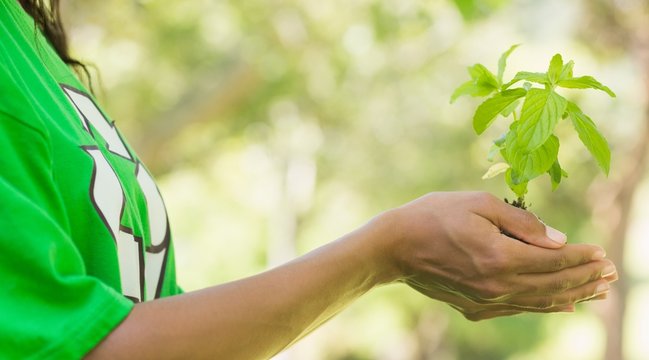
pixel 275 126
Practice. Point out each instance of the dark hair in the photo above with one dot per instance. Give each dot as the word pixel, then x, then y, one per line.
pixel 47 18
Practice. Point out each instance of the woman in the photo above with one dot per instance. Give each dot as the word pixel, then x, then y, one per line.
pixel 87 258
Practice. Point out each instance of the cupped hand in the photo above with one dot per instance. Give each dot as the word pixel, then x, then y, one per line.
pixel 452 247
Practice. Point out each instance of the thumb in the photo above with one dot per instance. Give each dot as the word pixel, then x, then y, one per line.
pixel 525 226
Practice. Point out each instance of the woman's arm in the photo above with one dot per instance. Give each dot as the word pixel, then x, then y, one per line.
pixel 448 246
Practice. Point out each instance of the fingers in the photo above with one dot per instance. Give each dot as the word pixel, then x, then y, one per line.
pixel 611 278
pixel 490 313
pixel 563 302
pixel 560 281
pixel 589 291
pixel 476 312
pixel 529 259
pixel 520 224
pixel 480 311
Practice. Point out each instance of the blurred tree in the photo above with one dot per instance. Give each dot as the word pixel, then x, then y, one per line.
pixel 474 9
pixel 305 118
pixel 621 27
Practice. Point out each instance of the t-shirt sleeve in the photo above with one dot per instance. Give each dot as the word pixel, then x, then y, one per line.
pixel 49 306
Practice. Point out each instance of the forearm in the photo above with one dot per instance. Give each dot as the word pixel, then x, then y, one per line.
pixel 258 316
pixel 448 246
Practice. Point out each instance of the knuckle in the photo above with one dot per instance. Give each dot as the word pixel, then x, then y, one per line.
pixel 559 262
pixel 530 221
pixel 483 198
pixel 526 217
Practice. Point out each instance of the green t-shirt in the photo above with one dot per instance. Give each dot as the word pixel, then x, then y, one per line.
pixel 83 229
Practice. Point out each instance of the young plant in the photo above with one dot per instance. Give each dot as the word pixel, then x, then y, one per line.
pixel 530 148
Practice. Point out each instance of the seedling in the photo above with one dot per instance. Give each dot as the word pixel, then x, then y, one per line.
pixel 530 148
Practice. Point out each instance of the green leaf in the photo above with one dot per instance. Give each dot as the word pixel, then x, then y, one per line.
pixel 541 111
pixel 585 82
pixel 591 137
pixel 539 78
pixel 519 188
pixel 482 76
pixel 495 170
pixel 482 83
pixel 511 108
pixel 566 72
pixel 529 165
pixel 556 174
pixel 502 62
pixel 555 68
pixel 509 144
pixel 472 10
pixel 470 88
pixel 488 110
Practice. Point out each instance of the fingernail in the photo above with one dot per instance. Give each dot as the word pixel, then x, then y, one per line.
pixel 602 288
pixel 599 255
pixel 556 235
pixel 609 270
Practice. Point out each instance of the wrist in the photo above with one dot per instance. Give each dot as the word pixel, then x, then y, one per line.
pixel 382 242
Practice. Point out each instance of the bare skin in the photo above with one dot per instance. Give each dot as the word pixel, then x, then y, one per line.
pixel 448 246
